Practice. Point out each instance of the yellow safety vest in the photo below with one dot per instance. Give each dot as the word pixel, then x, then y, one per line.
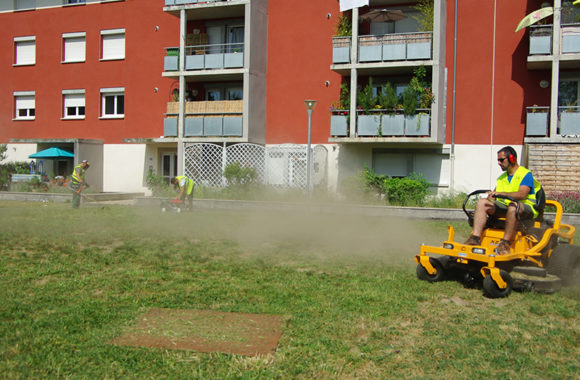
pixel 505 186
pixel 78 178
pixel 188 183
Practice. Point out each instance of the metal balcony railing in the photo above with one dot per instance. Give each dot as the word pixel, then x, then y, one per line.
pixel 395 47
pixel 222 118
pixel 538 121
pixel 382 123
pixel 204 57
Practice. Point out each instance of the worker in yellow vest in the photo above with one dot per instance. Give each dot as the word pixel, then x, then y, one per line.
pixel 78 183
pixel 516 182
pixel 185 186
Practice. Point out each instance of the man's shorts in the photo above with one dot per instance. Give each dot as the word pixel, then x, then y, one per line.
pixel 501 210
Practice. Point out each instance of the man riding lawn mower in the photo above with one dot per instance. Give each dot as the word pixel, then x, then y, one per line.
pixel 512 246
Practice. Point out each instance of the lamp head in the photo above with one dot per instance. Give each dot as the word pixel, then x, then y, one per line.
pixel 310 104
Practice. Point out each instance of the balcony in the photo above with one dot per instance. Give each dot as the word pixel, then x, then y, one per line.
pixel 381 123
pixel 206 57
pixel 541 50
pixel 222 118
pixel 385 48
pixel 538 122
pixel 188 2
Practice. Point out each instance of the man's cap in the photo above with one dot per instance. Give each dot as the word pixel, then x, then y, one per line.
pixel 86 162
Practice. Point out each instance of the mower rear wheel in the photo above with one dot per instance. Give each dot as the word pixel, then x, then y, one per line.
pixel 439 275
pixel 491 289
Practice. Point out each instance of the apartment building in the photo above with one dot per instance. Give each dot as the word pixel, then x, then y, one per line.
pixel 176 86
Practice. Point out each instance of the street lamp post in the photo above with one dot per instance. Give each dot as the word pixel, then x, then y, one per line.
pixel 310 104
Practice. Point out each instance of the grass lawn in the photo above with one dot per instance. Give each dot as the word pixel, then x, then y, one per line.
pixel 345 287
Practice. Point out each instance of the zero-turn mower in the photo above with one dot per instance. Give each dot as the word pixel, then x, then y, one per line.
pixel 542 257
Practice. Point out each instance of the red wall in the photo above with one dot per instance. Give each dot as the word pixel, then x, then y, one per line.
pixel 139 73
pixel 511 87
pixel 299 59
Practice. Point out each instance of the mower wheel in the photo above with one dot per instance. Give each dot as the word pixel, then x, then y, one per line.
pixel 439 275
pixel 491 289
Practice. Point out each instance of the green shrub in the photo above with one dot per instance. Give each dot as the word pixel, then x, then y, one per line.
pixel 238 175
pixel 159 186
pixel 411 190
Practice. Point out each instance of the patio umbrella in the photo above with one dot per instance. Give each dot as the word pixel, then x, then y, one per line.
pixel 534 17
pixel 52 153
pixel 383 15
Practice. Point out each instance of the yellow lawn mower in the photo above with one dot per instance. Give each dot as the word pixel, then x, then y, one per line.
pixel 542 257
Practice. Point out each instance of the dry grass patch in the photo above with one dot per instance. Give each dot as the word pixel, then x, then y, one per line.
pixel 205 331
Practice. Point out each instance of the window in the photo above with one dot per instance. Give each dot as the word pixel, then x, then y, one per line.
pixel 113 44
pixel 224 92
pixel 74 47
pixel 112 102
pixel 74 104
pixel 25 50
pixel 25 105
pixel 74 1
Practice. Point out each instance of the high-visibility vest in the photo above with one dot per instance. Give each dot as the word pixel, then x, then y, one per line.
pixel 505 186
pixel 81 174
pixel 188 183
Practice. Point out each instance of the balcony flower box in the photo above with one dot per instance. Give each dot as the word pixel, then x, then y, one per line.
pixel 368 125
pixel 338 125
pixel 417 125
pixel 537 123
pixel 393 125
pixel 570 123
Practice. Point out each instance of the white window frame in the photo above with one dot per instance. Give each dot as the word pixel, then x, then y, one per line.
pixel 112 48
pixel 24 100
pixel 25 51
pixel 77 52
pixel 73 100
pixel 116 93
pixel 75 2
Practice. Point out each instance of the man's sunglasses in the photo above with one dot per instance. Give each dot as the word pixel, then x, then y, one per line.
pixel 501 159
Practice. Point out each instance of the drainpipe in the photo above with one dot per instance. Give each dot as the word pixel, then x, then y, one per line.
pixel 452 155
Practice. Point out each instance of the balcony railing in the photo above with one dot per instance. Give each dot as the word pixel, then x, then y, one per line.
pixel 381 123
pixel 184 2
pixel 221 118
pixel 206 57
pixel 538 121
pixel 395 47
pixel 388 47
pixel 541 39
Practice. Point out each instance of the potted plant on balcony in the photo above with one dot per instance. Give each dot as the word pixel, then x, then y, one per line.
pixel 341 42
pixel 368 119
pixel 340 118
pixel 417 100
pixel 393 121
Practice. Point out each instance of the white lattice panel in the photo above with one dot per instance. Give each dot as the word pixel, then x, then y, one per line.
pixel 281 166
pixel 204 164
pixel 247 155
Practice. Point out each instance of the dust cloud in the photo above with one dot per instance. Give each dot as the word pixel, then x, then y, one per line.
pixel 333 232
